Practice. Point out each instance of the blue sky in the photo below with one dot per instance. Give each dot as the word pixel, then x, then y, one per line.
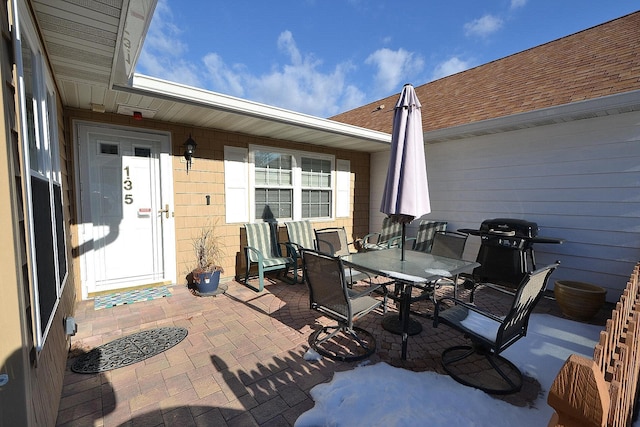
pixel 326 57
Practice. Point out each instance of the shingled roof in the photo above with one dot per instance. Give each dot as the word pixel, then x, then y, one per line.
pixel 600 61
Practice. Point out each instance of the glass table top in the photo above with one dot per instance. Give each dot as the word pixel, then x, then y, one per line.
pixel 417 267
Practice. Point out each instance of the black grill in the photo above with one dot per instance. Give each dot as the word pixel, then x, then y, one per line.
pixel 506 250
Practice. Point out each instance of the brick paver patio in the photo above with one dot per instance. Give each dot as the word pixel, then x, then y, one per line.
pixel 240 365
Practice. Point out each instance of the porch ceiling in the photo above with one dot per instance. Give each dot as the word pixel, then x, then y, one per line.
pixel 93 45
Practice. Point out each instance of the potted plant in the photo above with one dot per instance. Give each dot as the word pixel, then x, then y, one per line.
pixel 206 246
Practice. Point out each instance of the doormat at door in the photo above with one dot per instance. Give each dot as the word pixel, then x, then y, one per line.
pixel 128 350
pixel 130 297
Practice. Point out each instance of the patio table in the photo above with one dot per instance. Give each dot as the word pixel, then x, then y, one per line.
pixel 419 269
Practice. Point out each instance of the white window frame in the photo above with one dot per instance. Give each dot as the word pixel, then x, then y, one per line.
pixel 296 160
pixel 48 169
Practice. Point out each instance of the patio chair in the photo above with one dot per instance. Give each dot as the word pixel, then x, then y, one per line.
pixel 385 238
pixel 264 250
pixel 300 236
pixel 449 244
pixel 333 241
pixel 490 335
pixel 330 295
pixel 426 232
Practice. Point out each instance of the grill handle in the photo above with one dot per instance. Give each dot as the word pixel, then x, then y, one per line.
pixel 510 233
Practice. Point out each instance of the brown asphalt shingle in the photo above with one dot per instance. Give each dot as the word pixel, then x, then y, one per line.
pixel 600 61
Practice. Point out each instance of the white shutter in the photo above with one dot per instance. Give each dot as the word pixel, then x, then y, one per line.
pixel 236 184
pixel 343 188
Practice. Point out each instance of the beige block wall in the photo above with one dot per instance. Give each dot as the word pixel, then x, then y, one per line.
pixel 206 177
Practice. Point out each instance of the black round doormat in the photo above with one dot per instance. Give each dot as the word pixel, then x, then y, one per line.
pixel 128 350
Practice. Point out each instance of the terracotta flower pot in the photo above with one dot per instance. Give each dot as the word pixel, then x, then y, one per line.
pixel 579 300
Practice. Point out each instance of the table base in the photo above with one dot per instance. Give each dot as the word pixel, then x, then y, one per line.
pixel 392 323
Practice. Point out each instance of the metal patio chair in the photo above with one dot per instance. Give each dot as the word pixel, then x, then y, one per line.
pixel 333 241
pixel 264 250
pixel 449 244
pixel 490 335
pixel 385 238
pixel 330 295
pixel 426 233
pixel 300 236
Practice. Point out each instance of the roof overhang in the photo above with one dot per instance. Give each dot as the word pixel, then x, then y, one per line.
pixel 176 103
pixel 604 106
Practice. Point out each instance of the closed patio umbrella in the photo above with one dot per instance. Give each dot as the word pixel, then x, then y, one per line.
pixel 406 191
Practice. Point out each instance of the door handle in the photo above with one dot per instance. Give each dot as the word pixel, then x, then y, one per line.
pixel 165 210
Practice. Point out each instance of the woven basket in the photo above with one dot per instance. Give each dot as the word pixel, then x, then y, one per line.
pixel 579 300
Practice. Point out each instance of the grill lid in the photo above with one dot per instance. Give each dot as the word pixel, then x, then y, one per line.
pixel 510 227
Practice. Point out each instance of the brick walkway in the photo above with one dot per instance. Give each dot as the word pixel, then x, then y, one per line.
pixel 242 362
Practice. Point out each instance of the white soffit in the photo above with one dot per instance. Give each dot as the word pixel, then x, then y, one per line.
pixel 214 110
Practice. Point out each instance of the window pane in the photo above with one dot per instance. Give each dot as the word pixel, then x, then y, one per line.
pixel 285 211
pixel 261 159
pixel 28 62
pixel 273 168
pixel 142 152
pixel 274 203
pixel 44 245
pixel 287 178
pixel 61 249
pixel 108 149
pixel 316 203
pixel 273 196
pixel 316 172
pixel 261 176
pixel 273 177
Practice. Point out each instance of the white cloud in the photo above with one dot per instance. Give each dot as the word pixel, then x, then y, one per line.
pixel 222 76
pixel 393 67
pixel 483 27
pixel 299 85
pixel 516 4
pixel 287 44
pixel 450 66
pixel 163 51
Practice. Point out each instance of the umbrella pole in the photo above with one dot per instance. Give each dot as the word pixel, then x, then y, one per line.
pixel 402 243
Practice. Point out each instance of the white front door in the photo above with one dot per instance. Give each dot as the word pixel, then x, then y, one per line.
pixel 126 201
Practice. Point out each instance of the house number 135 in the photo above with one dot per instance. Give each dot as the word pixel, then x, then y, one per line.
pixel 127 185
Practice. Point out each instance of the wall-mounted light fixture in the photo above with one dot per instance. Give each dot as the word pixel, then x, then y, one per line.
pixel 189 148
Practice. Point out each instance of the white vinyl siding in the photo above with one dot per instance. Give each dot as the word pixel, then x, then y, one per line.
pixel 578 181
